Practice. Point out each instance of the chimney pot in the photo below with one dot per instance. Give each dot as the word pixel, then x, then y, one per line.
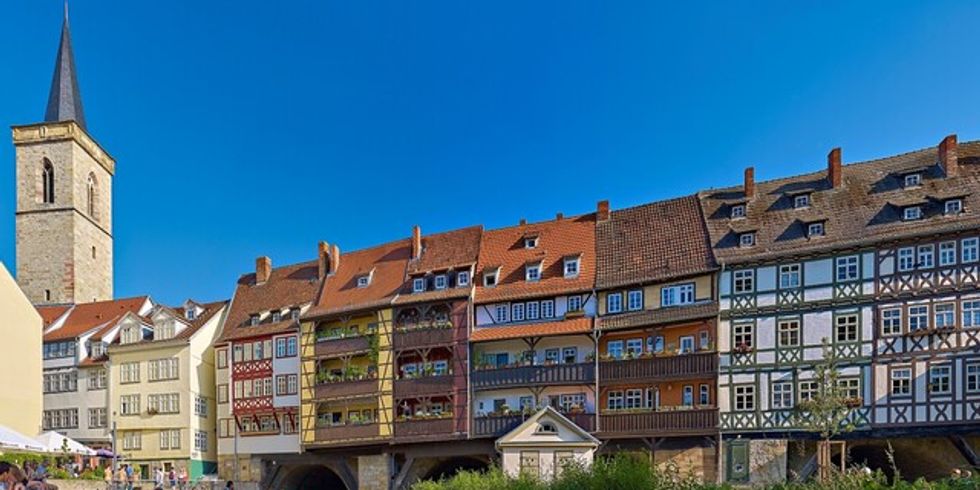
pixel 263 269
pixel 559 217
pixel 523 222
pixel 334 259
pixel 323 259
pixel 949 156
pixel 602 210
pixel 748 185
pixel 834 168
pixel 416 242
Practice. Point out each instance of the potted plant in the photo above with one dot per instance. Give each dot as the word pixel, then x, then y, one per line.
pixel 742 348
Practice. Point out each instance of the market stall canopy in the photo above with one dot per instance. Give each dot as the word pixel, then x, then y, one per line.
pixel 12 439
pixel 54 442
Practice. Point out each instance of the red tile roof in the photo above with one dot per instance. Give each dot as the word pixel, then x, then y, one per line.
pixel 653 242
pixel 288 286
pixel 385 263
pixel 87 316
pixel 449 250
pixel 51 313
pixel 561 327
pixel 557 239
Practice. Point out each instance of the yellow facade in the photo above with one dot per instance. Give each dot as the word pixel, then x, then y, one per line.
pixel 21 399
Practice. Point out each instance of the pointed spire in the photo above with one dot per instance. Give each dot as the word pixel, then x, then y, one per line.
pixel 65 101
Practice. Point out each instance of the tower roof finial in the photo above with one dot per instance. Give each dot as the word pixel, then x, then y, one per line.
pixel 65 100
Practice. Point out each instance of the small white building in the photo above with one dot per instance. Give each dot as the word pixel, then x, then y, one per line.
pixel 544 444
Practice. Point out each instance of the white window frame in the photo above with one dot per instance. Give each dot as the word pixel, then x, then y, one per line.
pixel 744 398
pixel 815 229
pixel 677 295
pixel 782 395
pixel 847 268
pixel 919 319
pixel 900 378
pixel 441 281
pixel 971 377
pixel 944 315
pixel 947 253
pixel 490 278
pixel 970 249
pixel 517 312
pixel 746 239
pixel 912 180
pixel 943 375
pixel 614 302
pixel 891 321
pixel 743 281
pixel 906 259
pixel 801 201
pixel 738 211
pixel 912 213
pixel 503 313
pixel 953 207
pixel 634 300
pixel 547 308
pixel 532 272
pixel 462 278
pixel 572 266
pixel 970 313
pixel 790 276
pixel 925 257
pixel 418 285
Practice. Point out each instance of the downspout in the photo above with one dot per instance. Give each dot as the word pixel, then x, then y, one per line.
pixel 719 475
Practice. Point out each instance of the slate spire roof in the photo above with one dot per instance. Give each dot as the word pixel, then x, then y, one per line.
pixel 65 101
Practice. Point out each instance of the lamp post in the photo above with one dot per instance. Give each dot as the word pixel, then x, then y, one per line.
pixel 115 453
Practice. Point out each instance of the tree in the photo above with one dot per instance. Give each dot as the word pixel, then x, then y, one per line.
pixel 828 411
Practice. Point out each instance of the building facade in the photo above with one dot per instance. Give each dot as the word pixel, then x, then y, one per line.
pixel 21 404
pixel 162 388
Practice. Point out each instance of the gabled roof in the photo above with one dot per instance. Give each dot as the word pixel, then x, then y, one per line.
pixel 653 242
pixel 504 248
pixel 449 250
pixel 386 264
pixel 210 310
pixel 864 210
pixel 85 317
pixel 288 286
pixel 568 434
pixel 65 100
pixel 50 314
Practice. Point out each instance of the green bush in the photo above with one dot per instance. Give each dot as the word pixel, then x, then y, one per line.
pixel 626 472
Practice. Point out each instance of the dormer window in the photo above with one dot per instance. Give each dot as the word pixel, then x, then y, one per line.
pixel 746 239
pixel 364 281
pixel 912 213
pixel 953 207
pixel 441 281
pixel 490 278
pixel 814 230
pixel 276 316
pixel 572 266
pixel 463 279
pixel 913 180
pixel 418 285
pixel 532 272
pixel 190 314
pixel 96 349
pixel 294 313
pixel 253 320
pixel 738 211
pixel 801 201
pixel 530 242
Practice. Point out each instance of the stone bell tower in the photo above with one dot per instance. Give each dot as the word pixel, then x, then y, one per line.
pixel 64 198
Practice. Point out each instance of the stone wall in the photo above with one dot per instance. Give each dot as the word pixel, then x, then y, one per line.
pixel 699 462
pixel 374 472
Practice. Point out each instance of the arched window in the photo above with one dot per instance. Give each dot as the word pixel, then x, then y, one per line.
pixel 91 195
pixel 47 181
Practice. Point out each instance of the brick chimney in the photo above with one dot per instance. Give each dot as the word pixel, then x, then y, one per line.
pixel 334 259
pixel 323 259
pixel 522 222
pixel 263 269
pixel 833 168
pixel 602 210
pixel 948 154
pixel 416 242
pixel 748 185
pixel 559 217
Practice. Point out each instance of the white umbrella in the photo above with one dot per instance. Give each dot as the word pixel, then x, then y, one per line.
pixel 53 442
pixel 12 439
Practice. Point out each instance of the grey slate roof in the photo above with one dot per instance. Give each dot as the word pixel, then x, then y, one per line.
pixel 65 101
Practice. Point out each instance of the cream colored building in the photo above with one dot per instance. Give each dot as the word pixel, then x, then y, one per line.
pixel 544 444
pixel 20 399
pixel 162 388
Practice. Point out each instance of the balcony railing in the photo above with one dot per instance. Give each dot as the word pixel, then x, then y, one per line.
pixel 346 433
pixel 670 422
pixel 425 428
pixel 498 425
pixel 424 386
pixel 418 338
pixel 701 364
pixel 345 389
pixel 331 347
pixel 558 374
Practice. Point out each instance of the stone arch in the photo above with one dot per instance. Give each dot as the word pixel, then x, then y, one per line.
pixel 47 182
pixel 313 476
pixel 92 196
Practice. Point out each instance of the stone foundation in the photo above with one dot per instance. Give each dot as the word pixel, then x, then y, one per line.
pixel 374 472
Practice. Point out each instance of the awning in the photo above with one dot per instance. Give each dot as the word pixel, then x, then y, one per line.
pixel 54 442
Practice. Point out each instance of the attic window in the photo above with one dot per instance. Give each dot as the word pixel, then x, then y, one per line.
pixel 441 281
pixel 801 201
pixel 490 278
pixel 912 213
pixel 418 285
pixel 530 242
pixel 913 180
pixel 532 272
pixel 364 281
pixel 547 428
pixel 815 229
pixel 746 239
pixel 253 320
pixel 953 207
pixel 276 316
pixel 572 266
pixel 463 278
pixel 190 314
pixel 738 211
pixel 294 313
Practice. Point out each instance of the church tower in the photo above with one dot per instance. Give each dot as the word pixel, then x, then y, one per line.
pixel 64 198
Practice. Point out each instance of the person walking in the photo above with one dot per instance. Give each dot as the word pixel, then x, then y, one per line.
pixel 183 478
pixel 120 478
pixel 157 478
pixel 172 476
pixel 108 477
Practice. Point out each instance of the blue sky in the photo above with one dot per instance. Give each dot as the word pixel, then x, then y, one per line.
pixel 246 128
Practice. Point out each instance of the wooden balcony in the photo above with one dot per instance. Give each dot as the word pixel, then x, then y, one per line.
pixel 498 425
pixel 669 422
pixel 424 386
pixel 346 389
pixel 681 366
pixel 424 429
pixel 340 346
pixel 346 434
pixel 558 374
pixel 422 338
